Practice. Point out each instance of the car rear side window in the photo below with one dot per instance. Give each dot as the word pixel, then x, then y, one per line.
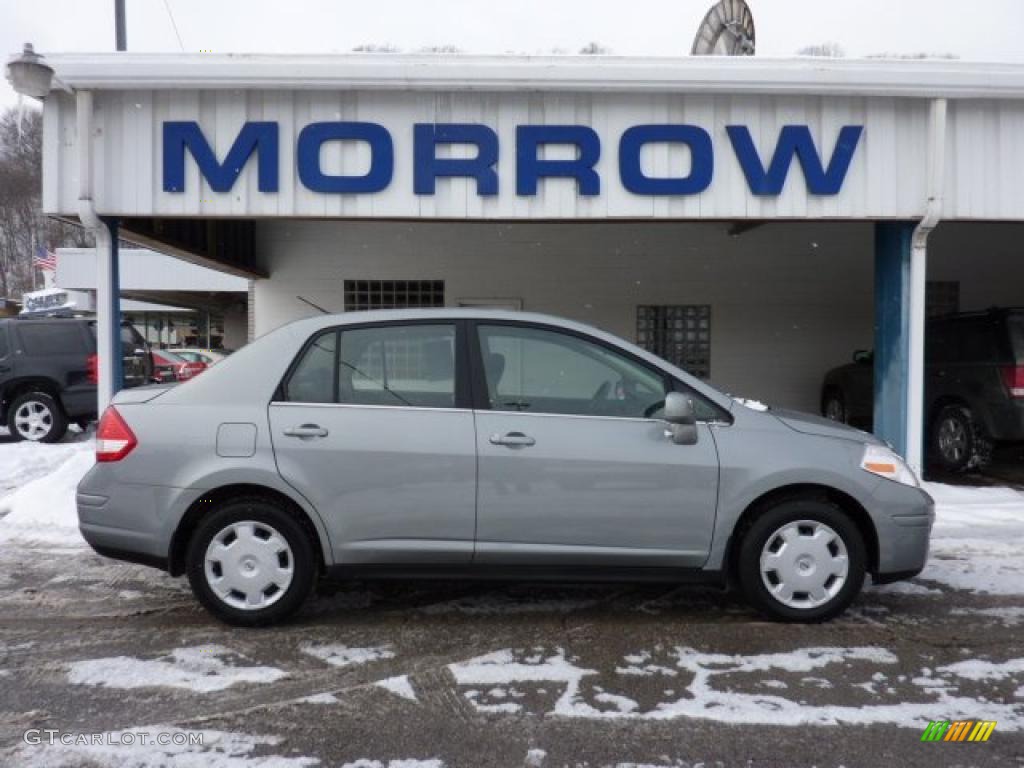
pixel 312 380
pixel 4 347
pixel 396 365
pixel 48 339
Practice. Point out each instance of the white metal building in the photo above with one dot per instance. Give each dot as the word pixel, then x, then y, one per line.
pixel 779 213
pixel 170 301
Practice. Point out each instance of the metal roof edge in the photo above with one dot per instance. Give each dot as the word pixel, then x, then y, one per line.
pixel 462 72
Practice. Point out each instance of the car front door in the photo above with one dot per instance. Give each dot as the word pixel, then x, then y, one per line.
pixel 370 426
pixel 575 468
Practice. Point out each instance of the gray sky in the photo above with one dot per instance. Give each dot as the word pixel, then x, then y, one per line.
pixel 989 31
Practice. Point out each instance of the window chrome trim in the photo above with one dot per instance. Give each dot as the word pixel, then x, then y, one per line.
pixel 368 406
pixel 481 411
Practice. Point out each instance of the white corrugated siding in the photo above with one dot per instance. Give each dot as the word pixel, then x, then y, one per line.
pixel 886 178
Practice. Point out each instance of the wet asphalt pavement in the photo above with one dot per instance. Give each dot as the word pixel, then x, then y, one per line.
pixel 499 675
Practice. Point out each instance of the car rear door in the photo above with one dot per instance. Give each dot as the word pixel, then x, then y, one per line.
pixel 575 468
pixel 373 426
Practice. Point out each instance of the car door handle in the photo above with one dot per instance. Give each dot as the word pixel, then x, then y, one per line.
pixel 512 439
pixel 306 431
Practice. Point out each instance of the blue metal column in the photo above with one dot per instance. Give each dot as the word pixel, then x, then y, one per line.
pixel 117 356
pixel 892 330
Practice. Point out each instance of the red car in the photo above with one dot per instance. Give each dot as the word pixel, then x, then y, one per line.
pixel 168 366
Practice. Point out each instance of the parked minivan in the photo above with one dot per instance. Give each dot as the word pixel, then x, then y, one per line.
pixel 488 444
pixel 974 387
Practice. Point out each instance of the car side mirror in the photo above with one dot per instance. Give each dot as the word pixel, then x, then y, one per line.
pixel 681 418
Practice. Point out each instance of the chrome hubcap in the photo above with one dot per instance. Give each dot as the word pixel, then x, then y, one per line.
pixel 952 440
pixel 804 564
pixel 249 565
pixel 33 420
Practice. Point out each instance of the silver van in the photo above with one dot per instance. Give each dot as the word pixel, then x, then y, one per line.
pixel 487 444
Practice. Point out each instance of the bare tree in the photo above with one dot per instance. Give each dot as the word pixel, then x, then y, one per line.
pixel 377 48
pixel 440 49
pixel 920 55
pixel 23 227
pixel 828 50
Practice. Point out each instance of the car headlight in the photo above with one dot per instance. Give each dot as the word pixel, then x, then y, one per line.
pixel 881 461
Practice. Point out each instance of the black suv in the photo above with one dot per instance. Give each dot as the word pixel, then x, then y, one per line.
pixel 48 372
pixel 974 387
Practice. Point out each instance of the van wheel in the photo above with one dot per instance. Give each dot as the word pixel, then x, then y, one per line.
pixel 802 560
pixel 834 407
pixel 957 441
pixel 38 417
pixel 251 563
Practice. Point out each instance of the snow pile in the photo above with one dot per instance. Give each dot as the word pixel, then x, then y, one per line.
pixel 977 539
pixel 338 655
pixel 145 748
pixel 43 508
pixel 200 669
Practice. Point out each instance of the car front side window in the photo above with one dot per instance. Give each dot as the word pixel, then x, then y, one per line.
pixel 536 370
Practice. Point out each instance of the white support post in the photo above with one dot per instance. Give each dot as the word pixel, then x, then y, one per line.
pixel 106 304
pixel 918 284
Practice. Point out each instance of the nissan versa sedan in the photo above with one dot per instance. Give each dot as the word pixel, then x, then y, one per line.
pixel 488 444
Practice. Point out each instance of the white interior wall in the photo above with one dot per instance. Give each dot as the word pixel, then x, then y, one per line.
pixel 788 301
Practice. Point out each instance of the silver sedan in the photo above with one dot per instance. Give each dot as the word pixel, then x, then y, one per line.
pixel 487 444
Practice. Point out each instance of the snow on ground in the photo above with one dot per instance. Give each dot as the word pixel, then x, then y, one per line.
pixel 400 686
pixel 978 539
pixel 338 655
pixel 162 747
pixel 201 669
pixel 704 697
pixel 39 481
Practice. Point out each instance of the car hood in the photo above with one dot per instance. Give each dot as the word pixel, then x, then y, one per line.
pixel 810 424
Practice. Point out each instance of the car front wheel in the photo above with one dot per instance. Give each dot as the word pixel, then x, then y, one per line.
pixel 38 417
pixel 251 562
pixel 802 560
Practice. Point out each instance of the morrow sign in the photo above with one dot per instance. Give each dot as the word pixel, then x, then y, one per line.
pixel 765 176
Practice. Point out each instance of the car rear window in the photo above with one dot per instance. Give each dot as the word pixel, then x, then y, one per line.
pixel 55 338
pixel 170 357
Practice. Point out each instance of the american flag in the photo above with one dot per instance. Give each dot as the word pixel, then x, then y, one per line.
pixel 45 259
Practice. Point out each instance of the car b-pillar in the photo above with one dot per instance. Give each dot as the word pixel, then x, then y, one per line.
pixel 893 252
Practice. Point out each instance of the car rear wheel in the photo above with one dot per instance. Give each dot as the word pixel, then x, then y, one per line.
pixel 834 407
pixel 957 441
pixel 251 562
pixel 38 417
pixel 802 560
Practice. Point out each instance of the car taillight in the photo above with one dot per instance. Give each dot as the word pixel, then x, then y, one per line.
pixel 1013 378
pixel 92 369
pixel 114 438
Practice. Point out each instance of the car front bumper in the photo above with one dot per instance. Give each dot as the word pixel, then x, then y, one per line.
pixel 903 520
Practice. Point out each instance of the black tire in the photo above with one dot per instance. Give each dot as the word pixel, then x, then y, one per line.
pixel 765 527
pixel 956 440
pixel 833 406
pixel 264 511
pixel 53 422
